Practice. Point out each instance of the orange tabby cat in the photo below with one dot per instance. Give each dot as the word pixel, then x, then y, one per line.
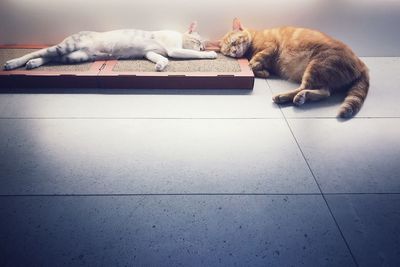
pixel 320 63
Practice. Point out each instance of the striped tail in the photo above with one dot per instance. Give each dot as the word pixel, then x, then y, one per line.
pixel 355 97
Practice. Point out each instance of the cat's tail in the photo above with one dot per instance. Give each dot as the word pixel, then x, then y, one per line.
pixel 355 96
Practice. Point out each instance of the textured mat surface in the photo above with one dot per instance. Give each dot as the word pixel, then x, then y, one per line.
pixel 221 64
pixel 7 54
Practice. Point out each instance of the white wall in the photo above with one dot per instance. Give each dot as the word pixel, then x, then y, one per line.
pixel 371 27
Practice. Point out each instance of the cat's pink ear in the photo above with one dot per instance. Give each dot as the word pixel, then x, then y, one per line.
pixel 192 27
pixel 237 25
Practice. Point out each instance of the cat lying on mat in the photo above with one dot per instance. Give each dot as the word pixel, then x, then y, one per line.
pixel 119 44
pixel 320 63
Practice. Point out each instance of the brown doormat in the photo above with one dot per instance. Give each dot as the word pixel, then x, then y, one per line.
pixel 220 73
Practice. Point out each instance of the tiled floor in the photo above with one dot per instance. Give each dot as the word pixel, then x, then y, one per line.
pixel 200 178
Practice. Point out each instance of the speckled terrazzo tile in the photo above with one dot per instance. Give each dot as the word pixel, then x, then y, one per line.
pixel 381 100
pixel 216 103
pixel 371 226
pixel 170 231
pixel 75 156
pixel 355 156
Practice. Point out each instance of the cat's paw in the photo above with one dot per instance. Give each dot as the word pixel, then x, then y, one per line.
pixel 33 63
pixel 280 98
pixel 11 64
pixel 210 54
pixel 6 67
pixel 161 64
pixel 258 69
pixel 255 65
pixel 261 74
pixel 300 98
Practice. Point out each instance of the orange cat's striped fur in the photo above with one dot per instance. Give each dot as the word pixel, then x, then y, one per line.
pixel 318 62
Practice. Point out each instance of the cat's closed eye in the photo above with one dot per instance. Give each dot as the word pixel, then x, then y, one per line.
pixel 233 41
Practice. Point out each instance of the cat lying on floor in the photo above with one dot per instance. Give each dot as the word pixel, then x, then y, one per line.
pixel 320 63
pixel 156 46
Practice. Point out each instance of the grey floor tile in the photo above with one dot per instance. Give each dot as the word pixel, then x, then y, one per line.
pixel 381 100
pixel 371 226
pixel 356 156
pixel 170 231
pixel 144 104
pixel 383 93
pixel 77 156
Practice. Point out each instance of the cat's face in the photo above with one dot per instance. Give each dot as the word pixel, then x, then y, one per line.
pixel 236 42
pixel 192 40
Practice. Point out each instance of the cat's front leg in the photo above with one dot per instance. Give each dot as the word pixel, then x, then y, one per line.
pixel 161 62
pixel 191 54
pixel 258 69
pixel 261 61
pixel 209 54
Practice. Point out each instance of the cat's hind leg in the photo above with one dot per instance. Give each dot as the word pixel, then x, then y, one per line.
pixel 315 82
pixel 310 94
pixel 76 57
pixel 37 62
pixel 54 52
pixel 21 61
pixel 160 61
pixel 299 96
pixel 286 96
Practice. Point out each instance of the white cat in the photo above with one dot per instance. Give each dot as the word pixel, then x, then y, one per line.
pixel 156 46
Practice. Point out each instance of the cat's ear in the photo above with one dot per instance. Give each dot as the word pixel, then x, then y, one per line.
pixel 192 27
pixel 237 25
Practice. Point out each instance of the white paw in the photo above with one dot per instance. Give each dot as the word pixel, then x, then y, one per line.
pixel 210 54
pixel 299 99
pixel 161 64
pixel 33 63
pixel 12 64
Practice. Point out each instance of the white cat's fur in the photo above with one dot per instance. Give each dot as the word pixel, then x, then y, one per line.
pixel 156 46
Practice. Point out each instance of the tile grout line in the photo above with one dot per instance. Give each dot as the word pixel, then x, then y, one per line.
pixel 188 194
pixel 138 118
pixel 187 118
pixel 315 179
pixel 160 194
